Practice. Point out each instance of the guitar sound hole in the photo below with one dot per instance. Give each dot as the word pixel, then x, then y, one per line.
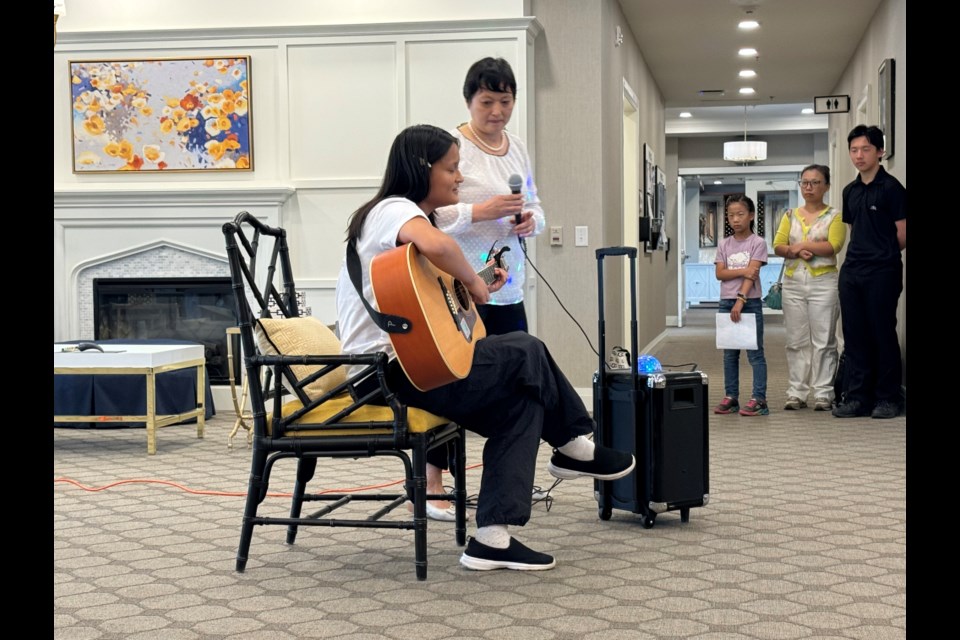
pixel 463 296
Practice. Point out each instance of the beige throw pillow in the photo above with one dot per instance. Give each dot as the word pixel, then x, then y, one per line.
pixel 301 337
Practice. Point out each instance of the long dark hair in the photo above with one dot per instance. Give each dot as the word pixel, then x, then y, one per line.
pixel 412 153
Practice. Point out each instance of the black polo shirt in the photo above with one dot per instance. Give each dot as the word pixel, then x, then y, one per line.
pixel 872 210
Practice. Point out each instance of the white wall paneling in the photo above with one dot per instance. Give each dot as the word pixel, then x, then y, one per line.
pixel 327 102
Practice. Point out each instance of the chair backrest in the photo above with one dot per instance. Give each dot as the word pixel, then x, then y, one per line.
pixel 302 353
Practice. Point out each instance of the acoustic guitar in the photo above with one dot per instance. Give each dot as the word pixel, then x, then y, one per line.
pixel 445 325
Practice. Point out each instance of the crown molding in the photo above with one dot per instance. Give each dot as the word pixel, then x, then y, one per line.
pixel 162 37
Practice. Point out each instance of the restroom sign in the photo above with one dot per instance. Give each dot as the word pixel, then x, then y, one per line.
pixel 831 104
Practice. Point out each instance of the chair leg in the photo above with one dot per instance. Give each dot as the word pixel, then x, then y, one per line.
pixel 305 470
pixel 460 486
pixel 255 495
pixel 420 507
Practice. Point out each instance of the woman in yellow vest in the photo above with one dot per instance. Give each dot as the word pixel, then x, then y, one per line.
pixel 809 239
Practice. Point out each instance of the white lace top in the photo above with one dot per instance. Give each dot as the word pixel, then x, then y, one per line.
pixel 485 176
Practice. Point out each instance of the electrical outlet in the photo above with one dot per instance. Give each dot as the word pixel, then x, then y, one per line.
pixel 581 237
pixel 556 236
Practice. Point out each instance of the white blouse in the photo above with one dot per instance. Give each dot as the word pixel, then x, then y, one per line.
pixel 484 176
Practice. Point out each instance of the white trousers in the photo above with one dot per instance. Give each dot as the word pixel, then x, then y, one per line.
pixel 811 306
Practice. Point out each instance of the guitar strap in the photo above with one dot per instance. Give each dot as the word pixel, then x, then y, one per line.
pixel 386 322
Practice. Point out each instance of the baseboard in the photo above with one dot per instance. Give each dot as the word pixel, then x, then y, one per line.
pixel 222 400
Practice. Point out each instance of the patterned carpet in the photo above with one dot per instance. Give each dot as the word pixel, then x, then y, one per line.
pixel 804 537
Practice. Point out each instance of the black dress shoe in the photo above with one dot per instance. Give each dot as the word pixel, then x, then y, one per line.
pixel 850 409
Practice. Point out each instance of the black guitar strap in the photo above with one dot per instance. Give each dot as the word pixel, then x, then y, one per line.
pixel 387 322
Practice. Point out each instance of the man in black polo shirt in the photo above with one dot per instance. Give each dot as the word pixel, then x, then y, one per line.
pixel 871 279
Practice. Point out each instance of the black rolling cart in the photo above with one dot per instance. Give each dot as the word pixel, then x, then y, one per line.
pixel 661 417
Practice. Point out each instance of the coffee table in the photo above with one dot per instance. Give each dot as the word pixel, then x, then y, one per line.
pixel 146 360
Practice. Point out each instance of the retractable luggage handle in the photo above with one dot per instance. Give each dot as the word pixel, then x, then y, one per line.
pixel 631 252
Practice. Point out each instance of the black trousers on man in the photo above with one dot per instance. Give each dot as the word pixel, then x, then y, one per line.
pixel 871 350
pixel 515 396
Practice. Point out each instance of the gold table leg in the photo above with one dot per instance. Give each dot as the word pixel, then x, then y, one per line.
pixel 238 403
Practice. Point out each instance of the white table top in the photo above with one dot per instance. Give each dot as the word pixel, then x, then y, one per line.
pixel 127 355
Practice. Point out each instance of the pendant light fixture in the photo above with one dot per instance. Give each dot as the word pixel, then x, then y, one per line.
pixel 745 151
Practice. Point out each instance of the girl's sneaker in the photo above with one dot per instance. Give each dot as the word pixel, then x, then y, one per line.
pixel 727 405
pixel 755 408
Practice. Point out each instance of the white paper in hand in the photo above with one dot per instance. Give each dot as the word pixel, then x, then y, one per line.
pixel 737 335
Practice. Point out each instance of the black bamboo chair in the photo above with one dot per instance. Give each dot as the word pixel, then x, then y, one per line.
pixel 306 406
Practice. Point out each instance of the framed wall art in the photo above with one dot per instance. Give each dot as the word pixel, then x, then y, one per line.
pixel 886 95
pixel 648 198
pixel 710 213
pixel 176 114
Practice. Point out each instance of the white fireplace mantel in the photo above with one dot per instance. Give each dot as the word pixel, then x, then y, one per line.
pixel 95 226
pixel 220 195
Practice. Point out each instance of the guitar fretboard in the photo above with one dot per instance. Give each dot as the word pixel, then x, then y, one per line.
pixel 487 274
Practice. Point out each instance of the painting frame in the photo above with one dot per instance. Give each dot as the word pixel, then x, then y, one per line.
pixel 648 197
pixel 160 115
pixel 709 221
pixel 886 107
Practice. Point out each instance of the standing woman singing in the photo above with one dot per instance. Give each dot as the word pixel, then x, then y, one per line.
pixel 487 211
pixel 488 214
pixel 809 239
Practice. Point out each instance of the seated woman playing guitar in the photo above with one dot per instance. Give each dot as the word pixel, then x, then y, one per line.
pixel 514 393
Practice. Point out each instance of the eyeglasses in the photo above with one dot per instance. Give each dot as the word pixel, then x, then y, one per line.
pixel 810 183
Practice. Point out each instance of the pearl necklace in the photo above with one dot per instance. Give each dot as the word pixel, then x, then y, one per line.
pixel 503 139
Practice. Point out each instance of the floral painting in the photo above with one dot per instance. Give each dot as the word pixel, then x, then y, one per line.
pixel 161 115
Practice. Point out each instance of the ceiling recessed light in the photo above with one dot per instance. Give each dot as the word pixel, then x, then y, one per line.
pixel 806 111
pixel 748 24
pixel 747 73
pixel 748 51
pixel 747 90
pixel 686 114
pixel 718 182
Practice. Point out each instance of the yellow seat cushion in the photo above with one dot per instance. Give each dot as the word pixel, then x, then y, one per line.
pixel 419 421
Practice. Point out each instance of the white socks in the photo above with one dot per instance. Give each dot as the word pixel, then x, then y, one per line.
pixel 580 448
pixel 494 535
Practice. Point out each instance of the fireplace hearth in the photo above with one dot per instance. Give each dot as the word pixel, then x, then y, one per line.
pixel 196 309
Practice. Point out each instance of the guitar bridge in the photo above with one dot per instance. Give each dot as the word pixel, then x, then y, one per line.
pixel 456 306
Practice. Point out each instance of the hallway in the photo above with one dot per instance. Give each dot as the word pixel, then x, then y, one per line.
pixel 804 537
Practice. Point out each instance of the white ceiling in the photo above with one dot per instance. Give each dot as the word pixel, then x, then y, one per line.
pixel 691 46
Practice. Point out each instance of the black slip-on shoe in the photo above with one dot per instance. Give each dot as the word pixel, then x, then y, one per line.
pixel 607 464
pixel 517 556
pixel 850 409
pixel 885 410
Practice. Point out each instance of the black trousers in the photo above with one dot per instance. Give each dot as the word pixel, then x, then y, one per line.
pixel 498 320
pixel 515 396
pixel 868 308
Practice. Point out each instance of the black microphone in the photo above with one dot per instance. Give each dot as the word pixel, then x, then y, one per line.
pixel 515 182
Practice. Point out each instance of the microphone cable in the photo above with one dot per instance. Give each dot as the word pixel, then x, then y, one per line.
pixel 523 247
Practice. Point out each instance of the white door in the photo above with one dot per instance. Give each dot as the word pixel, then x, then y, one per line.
pixel 681 242
pixel 776 197
pixel 630 205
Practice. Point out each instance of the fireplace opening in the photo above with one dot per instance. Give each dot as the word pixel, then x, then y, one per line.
pixel 196 309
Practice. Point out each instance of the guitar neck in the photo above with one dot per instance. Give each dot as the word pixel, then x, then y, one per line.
pixel 487 274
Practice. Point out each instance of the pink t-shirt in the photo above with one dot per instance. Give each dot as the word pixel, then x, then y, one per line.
pixel 737 254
